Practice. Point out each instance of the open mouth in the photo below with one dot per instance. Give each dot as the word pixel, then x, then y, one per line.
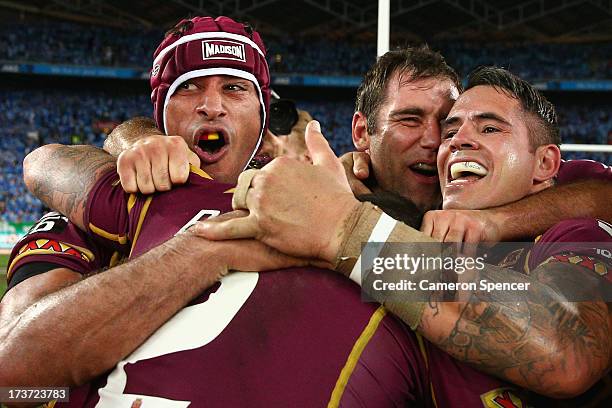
pixel 211 142
pixel 424 169
pixel 466 171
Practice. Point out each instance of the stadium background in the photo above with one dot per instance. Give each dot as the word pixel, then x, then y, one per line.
pixel 71 70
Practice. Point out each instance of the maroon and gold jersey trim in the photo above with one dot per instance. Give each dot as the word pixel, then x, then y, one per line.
pixel 354 356
pixel 122 239
pixel 50 247
pixel 131 202
pixel 199 172
pixel 423 350
pixel 141 218
pixel 592 264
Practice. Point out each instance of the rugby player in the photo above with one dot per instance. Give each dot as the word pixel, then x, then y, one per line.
pixel 50 309
pixel 503 134
pixel 428 123
pixel 270 332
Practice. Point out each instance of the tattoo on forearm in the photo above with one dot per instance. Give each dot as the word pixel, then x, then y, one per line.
pixel 522 341
pixel 63 177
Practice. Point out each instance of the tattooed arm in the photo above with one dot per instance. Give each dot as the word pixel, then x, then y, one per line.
pixel 62 176
pixel 128 133
pixel 538 340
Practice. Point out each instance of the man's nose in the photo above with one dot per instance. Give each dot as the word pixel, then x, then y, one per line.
pixel 210 104
pixel 464 139
pixel 431 138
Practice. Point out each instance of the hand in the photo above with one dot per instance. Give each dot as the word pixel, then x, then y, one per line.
pixel 155 163
pixel 469 226
pixel 298 208
pixel 357 168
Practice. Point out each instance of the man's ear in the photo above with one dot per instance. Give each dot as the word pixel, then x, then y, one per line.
pixel 361 137
pixel 548 160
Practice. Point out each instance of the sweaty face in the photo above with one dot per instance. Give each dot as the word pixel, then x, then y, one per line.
pixel 485 157
pixel 404 147
pixel 219 118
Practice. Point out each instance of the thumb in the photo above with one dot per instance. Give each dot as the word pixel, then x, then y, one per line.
pixel 320 151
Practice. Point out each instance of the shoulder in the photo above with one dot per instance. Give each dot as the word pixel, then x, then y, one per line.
pixel 582 241
pixel 572 170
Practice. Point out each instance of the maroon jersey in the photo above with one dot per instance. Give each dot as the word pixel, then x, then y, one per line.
pixel 54 242
pixel 572 170
pixel 299 337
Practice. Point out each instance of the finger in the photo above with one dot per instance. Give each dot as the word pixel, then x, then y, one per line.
pixel 236 228
pixel 440 229
pixel 127 175
pixel 427 226
pixel 361 165
pixel 454 234
pixel 160 172
pixel 144 178
pixel 318 148
pixel 178 166
pixel 239 199
pixel 137 403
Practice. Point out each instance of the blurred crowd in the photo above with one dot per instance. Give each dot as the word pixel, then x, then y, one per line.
pixel 58 43
pixel 29 119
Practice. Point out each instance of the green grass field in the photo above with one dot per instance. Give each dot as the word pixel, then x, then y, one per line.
pixel 3 263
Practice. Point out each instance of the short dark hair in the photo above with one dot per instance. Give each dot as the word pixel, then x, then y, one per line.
pixel 416 62
pixel 543 129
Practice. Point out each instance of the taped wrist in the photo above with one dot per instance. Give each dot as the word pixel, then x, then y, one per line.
pixel 370 224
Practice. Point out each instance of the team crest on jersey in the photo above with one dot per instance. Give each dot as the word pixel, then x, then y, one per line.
pixel 581 260
pixel 502 398
pixel 223 49
pixel 52 222
pixel 54 247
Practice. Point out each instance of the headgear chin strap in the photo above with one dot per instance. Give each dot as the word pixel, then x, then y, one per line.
pixel 204 47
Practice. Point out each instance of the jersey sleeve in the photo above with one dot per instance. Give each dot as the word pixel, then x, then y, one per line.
pixel 586 242
pixel 107 213
pixel 53 242
pixel 574 170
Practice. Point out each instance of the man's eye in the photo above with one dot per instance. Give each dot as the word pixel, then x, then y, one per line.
pixel 411 120
pixel 187 85
pixel 449 134
pixel 235 87
pixel 489 129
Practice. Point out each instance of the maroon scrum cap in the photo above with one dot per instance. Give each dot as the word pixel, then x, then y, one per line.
pixel 205 46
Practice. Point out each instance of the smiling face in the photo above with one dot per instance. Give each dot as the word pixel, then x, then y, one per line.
pixel 403 149
pixel 219 118
pixel 485 158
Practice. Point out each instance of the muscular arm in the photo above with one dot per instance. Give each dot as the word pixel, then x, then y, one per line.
pixel 540 342
pixel 69 330
pixel 84 329
pixel 534 214
pixel 62 176
pixel 129 132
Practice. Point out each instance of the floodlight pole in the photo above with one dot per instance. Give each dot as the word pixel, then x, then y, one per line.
pixel 384 24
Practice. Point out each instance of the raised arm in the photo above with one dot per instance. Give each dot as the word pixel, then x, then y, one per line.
pixel 62 176
pixel 525 218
